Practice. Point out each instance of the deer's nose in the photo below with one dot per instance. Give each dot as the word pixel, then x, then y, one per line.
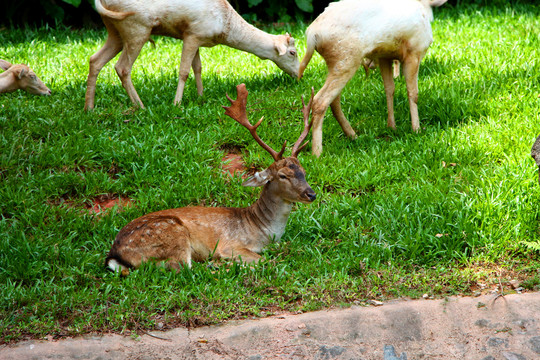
pixel 310 194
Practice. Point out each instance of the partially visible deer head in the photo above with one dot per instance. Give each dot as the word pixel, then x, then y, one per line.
pixel 286 174
pixel 20 76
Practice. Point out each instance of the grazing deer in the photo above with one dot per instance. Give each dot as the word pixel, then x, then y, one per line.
pixel 197 22
pixel 180 236
pixel 20 76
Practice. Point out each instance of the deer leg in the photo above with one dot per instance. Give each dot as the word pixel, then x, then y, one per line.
pixel 175 262
pixel 246 256
pixel 125 63
pixel 197 68
pixel 334 84
pixel 189 51
pixel 410 71
pixel 396 68
pixel 239 255
pixel 389 87
pixel 112 46
pixel 340 117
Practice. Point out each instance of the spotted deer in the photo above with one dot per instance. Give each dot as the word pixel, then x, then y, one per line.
pixel 179 236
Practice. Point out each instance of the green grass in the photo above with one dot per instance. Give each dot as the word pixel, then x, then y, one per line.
pixel 398 213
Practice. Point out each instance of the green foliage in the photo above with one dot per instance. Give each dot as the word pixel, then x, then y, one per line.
pixel 398 213
pixel 79 13
pixel 492 3
pixel 75 3
pixel 533 245
pixel 304 5
pixel 275 10
pixel 50 13
pixel 252 3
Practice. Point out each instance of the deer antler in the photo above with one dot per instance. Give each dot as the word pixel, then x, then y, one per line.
pixel 307 126
pixel 237 111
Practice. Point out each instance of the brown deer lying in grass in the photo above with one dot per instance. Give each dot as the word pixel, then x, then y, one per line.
pixel 20 76
pixel 197 22
pixel 180 236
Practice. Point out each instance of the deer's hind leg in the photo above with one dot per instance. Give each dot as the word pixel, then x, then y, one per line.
pixel 410 70
pixel 131 49
pixel 112 46
pixel 197 69
pixel 158 238
pixel 389 88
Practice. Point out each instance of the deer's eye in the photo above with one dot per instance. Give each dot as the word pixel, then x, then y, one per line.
pixel 282 176
pixel 292 52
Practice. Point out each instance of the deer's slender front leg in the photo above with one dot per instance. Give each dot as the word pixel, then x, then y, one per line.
pixel 336 80
pixel 190 49
pixel 239 255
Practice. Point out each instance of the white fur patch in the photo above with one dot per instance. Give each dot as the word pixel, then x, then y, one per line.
pixel 115 265
pixel 277 227
pixel 259 179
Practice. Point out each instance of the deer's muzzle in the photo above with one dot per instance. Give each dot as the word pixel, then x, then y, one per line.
pixel 309 195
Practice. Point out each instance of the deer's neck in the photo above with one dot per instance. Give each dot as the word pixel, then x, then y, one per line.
pixel 7 84
pixel 269 214
pixel 246 37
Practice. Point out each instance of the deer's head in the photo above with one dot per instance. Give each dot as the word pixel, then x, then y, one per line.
pixel 285 177
pixel 25 78
pixel 287 55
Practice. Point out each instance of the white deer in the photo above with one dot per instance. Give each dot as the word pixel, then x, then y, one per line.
pixel 351 33
pixel 197 22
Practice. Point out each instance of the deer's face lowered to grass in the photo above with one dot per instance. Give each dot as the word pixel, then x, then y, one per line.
pixel 179 236
pixel 20 76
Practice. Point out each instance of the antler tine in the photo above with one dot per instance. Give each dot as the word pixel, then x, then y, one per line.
pixel 237 111
pixel 307 126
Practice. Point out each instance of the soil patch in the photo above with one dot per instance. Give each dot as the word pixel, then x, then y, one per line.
pixel 102 203
pixel 96 206
pixel 233 164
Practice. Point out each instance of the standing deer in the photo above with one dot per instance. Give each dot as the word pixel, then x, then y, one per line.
pixel 351 33
pixel 197 22
pixel 180 236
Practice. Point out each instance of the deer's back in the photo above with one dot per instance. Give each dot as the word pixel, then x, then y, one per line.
pixel 175 18
pixel 367 27
pixel 201 229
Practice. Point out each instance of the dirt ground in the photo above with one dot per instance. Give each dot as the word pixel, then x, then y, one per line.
pixel 484 328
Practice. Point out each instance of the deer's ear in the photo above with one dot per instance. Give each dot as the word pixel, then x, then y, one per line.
pixel 259 179
pixel 5 64
pixel 291 40
pixel 20 73
pixel 281 48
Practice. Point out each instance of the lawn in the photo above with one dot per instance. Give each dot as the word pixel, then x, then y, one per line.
pixel 447 211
